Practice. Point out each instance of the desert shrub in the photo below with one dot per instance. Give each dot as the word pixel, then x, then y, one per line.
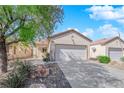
pixel 46 58
pixel 23 68
pixel 104 59
pixel 14 81
pixel 17 78
pixel 122 58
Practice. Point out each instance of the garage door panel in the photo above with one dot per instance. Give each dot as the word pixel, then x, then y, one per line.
pixel 115 53
pixel 70 52
pixel 115 49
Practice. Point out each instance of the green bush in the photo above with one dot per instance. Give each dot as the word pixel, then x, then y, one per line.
pixel 122 58
pixel 19 75
pixel 104 59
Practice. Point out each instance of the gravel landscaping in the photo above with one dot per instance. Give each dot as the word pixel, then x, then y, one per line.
pixel 55 79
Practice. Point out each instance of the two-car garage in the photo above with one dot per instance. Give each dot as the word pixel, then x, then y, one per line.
pixel 71 52
pixel 69 45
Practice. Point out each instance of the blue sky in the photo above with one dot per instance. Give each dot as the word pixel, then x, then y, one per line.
pixel 94 22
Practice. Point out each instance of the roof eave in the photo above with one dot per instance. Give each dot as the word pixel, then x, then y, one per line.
pixel 56 35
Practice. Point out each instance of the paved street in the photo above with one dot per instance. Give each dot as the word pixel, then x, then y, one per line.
pixel 88 74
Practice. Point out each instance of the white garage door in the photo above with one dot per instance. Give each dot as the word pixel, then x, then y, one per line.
pixel 70 52
pixel 115 53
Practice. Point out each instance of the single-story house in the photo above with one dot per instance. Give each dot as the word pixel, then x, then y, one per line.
pixel 112 47
pixel 69 45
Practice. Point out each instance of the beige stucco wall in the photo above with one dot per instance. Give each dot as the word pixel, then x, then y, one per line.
pixel 19 51
pixel 115 43
pixel 37 53
pixel 38 49
pixel 100 50
pixel 69 38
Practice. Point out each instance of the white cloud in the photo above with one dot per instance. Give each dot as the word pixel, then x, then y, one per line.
pixel 88 32
pixel 120 21
pixel 108 30
pixel 69 28
pixel 106 13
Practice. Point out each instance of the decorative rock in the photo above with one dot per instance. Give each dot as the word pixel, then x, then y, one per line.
pixel 56 78
pixel 42 71
pixel 48 75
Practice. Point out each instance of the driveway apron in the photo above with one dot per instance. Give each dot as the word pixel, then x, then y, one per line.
pixel 85 74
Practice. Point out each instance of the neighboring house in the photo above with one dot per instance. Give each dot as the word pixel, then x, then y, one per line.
pixel 69 45
pixel 111 47
pixel 18 51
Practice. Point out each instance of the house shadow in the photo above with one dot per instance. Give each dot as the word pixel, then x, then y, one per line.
pixel 72 57
pixel 69 57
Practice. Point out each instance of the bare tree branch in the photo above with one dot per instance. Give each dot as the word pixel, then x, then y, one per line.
pixel 15 30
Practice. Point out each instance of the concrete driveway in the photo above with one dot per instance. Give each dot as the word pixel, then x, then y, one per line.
pixel 88 74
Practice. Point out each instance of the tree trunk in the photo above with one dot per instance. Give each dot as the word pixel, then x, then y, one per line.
pixel 3 56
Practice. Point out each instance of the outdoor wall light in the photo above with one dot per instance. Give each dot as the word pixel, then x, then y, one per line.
pixel 94 49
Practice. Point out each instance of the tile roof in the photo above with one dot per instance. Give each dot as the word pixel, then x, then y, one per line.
pixel 103 41
pixel 68 31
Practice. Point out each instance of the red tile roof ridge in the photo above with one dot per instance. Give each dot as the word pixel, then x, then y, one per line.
pixel 102 41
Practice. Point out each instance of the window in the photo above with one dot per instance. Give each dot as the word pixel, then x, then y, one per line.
pixel 94 49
